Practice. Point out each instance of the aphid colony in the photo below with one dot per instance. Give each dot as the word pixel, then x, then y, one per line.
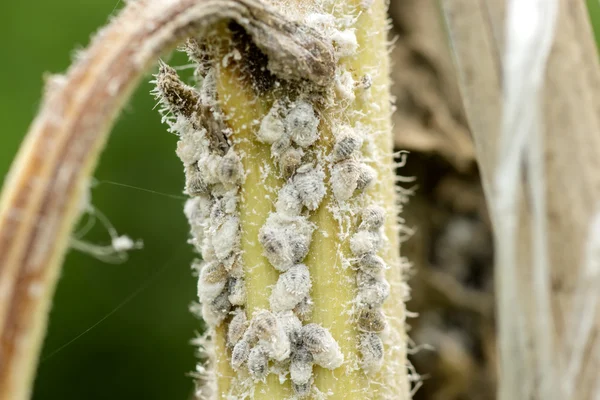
pixel 213 173
pixel 372 288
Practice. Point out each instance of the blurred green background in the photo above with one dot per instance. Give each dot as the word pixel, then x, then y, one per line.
pixel 142 350
pixel 138 346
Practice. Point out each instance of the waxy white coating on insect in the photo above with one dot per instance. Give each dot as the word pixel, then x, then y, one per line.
pixel 371 351
pixel 302 391
pixel 258 362
pixel 371 319
pixel 289 202
pixel 323 347
pixel 226 238
pixel 301 365
pixel 271 335
pixel 366 177
pixel 371 262
pixel 365 242
pixel 373 293
pixel 291 325
pixel 344 179
pixel 271 127
pixel 239 354
pixel 345 42
pixel 345 85
pixel 291 288
pixel 347 143
pixel 302 124
pixel 372 218
pixel 212 281
pixel 289 161
pixel 237 327
pixel 215 311
pixel 230 169
pixel 309 182
pixel 304 309
pixel 285 240
pixel 237 291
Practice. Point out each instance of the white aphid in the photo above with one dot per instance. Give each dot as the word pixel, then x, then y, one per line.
pixel 302 391
pixel 309 182
pixel 374 293
pixel 345 42
pixel 371 351
pixel 289 161
pixel 215 311
pixel 237 327
pixel 367 277
pixel 271 334
pixel 195 183
pixel 271 127
pixel 291 288
pixel 301 366
pixel 285 240
pixel 288 201
pixel 301 124
pixel 371 262
pixel 197 211
pixel 291 324
pixel 323 347
pixel 191 144
pixel 365 82
pixel 237 291
pixel 347 143
pixel 258 362
pixel 225 239
pixel 281 145
pixel 365 242
pixel 371 319
pixel 208 165
pixel 239 354
pixel 230 169
pixel 304 309
pixel 212 281
pixel 344 179
pixel 366 177
pixel 372 218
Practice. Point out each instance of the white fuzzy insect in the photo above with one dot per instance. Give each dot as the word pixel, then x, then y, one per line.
pixel 285 240
pixel 371 319
pixel 258 362
pixel 371 262
pixel 374 293
pixel 271 127
pixel 226 238
pixel 291 288
pixel 371 351
pixel 344 179
pixel 288 201
pixel 208 165
pixel 212 281
pixel 344 86
pixel 365 242
pixel 302 391
pixel 323 347
pixel 237 327
pixel 239 354
pixel 230 169
pixel 195 184
pixel 301 365
pixel 345 42
pixel 301 124
pixel 215 311
pixel 367 176
pixel 197 211
pixel 237 291
pixel 291 325
pixel 347 143
pixel 271 335
pixel 310 184
pixel 372 218
pixel 289 161
pixel 304 309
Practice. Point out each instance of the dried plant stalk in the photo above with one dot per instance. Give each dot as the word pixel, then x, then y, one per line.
pixel 569 143
pixel 47 186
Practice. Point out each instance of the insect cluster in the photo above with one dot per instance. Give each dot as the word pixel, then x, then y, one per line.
pixel 213 174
